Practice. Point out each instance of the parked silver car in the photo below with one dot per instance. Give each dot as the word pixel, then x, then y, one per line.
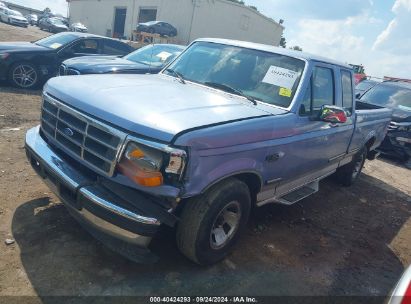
pixel 78 27
pixel 13 17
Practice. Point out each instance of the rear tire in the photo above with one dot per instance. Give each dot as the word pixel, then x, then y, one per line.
pixel 211 224
pixel 350 172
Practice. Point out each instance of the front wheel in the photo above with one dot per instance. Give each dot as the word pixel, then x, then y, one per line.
pixel 211 223
pixel 24 75
pixel 350 172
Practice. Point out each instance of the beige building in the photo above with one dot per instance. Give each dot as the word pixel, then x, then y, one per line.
pixel 192 18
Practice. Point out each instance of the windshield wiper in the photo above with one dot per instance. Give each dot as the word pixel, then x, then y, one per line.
pixel 229 89
pixel 179 76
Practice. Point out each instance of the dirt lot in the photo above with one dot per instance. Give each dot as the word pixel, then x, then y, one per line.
pixel 341 241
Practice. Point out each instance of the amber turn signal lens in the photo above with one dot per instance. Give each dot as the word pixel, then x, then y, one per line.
pixel 141 177
pixel 136 153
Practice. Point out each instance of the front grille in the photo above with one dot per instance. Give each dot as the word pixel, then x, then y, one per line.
pixel 63 71
pixel 83 137
pixel 392 126
pixel 72 72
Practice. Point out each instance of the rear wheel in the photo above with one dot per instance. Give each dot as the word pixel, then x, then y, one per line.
pixel 24 75
pixel 350 172
pixel 211 223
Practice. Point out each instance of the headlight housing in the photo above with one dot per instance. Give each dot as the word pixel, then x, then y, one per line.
pixel 147 165
pixel 4 55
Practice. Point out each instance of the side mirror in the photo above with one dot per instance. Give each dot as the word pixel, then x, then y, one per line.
pixel 332 114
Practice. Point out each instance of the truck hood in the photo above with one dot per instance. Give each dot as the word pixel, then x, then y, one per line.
pixel 104 64
pixel 154 106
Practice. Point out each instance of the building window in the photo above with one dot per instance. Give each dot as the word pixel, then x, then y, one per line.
pixel 147 14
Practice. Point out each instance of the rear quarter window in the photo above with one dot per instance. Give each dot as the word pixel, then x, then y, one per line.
pixel 112 47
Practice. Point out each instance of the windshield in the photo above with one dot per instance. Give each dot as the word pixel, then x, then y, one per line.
pixel 154 55
pixel 263 76
pixel 390 96
pixel 365 85
pixel 56 41
pixel 57 21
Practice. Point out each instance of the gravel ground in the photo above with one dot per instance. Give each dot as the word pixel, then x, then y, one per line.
pixel 341 241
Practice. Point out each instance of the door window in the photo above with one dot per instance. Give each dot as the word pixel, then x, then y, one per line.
pixel 347 91
pixel 86 46
pixel 112 47
pixel 320 91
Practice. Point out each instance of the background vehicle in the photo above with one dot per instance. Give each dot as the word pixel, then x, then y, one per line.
pixel 53 25
pixel 359 72
pixel 13 17
pixel 78 27
pixel 29 64
pixel 32 19
pixel 395 95
pixel 226 126
pixel 2 5
pixel 147 60
pixel 364 86
pixel 157 27
pixel 402 291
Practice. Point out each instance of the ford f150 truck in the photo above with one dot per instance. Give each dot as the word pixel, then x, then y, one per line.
pixel 225 127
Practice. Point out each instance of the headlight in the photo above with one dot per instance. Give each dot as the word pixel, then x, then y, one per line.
pixel 4 55
pixel 145 165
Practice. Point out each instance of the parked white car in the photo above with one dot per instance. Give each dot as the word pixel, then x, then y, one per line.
pixel 78 27
pixel 13 17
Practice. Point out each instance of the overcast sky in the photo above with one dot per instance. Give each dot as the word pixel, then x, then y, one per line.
pixel 375 33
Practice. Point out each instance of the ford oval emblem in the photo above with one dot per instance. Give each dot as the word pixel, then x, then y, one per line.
pixel 68 132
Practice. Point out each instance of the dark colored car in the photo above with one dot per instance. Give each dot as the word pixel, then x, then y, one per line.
pixel 157 27
pixel 53 25
pixel 29 64
pixel 364 86
pixel 396 96
pixel 148 60
pixel 32 19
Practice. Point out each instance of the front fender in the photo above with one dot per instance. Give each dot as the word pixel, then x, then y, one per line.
pixel 204 172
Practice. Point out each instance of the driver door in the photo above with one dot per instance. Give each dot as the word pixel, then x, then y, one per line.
pixel 321 145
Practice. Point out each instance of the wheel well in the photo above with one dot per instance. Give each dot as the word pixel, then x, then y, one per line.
pixel 253 181
pixel 370 143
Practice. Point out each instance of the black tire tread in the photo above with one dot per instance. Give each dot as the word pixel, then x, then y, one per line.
pixel 344 173
pixel 193 214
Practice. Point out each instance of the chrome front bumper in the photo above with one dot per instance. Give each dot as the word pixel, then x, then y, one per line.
pixel 99 210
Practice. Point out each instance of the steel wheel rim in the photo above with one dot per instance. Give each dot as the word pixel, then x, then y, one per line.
pixel 24 76
pixel 225 225
pixel 358 165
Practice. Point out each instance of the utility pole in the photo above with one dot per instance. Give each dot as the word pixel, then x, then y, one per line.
pixel 192 19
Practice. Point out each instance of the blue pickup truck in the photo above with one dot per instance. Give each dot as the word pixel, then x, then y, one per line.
pixel 225 127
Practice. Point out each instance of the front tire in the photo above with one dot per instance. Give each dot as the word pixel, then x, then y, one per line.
pixel 211 224
pixel 24 75
pixel 350 172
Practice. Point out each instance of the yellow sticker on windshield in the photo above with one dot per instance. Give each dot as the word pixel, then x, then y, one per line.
pixel 285 92
pixel 55 45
